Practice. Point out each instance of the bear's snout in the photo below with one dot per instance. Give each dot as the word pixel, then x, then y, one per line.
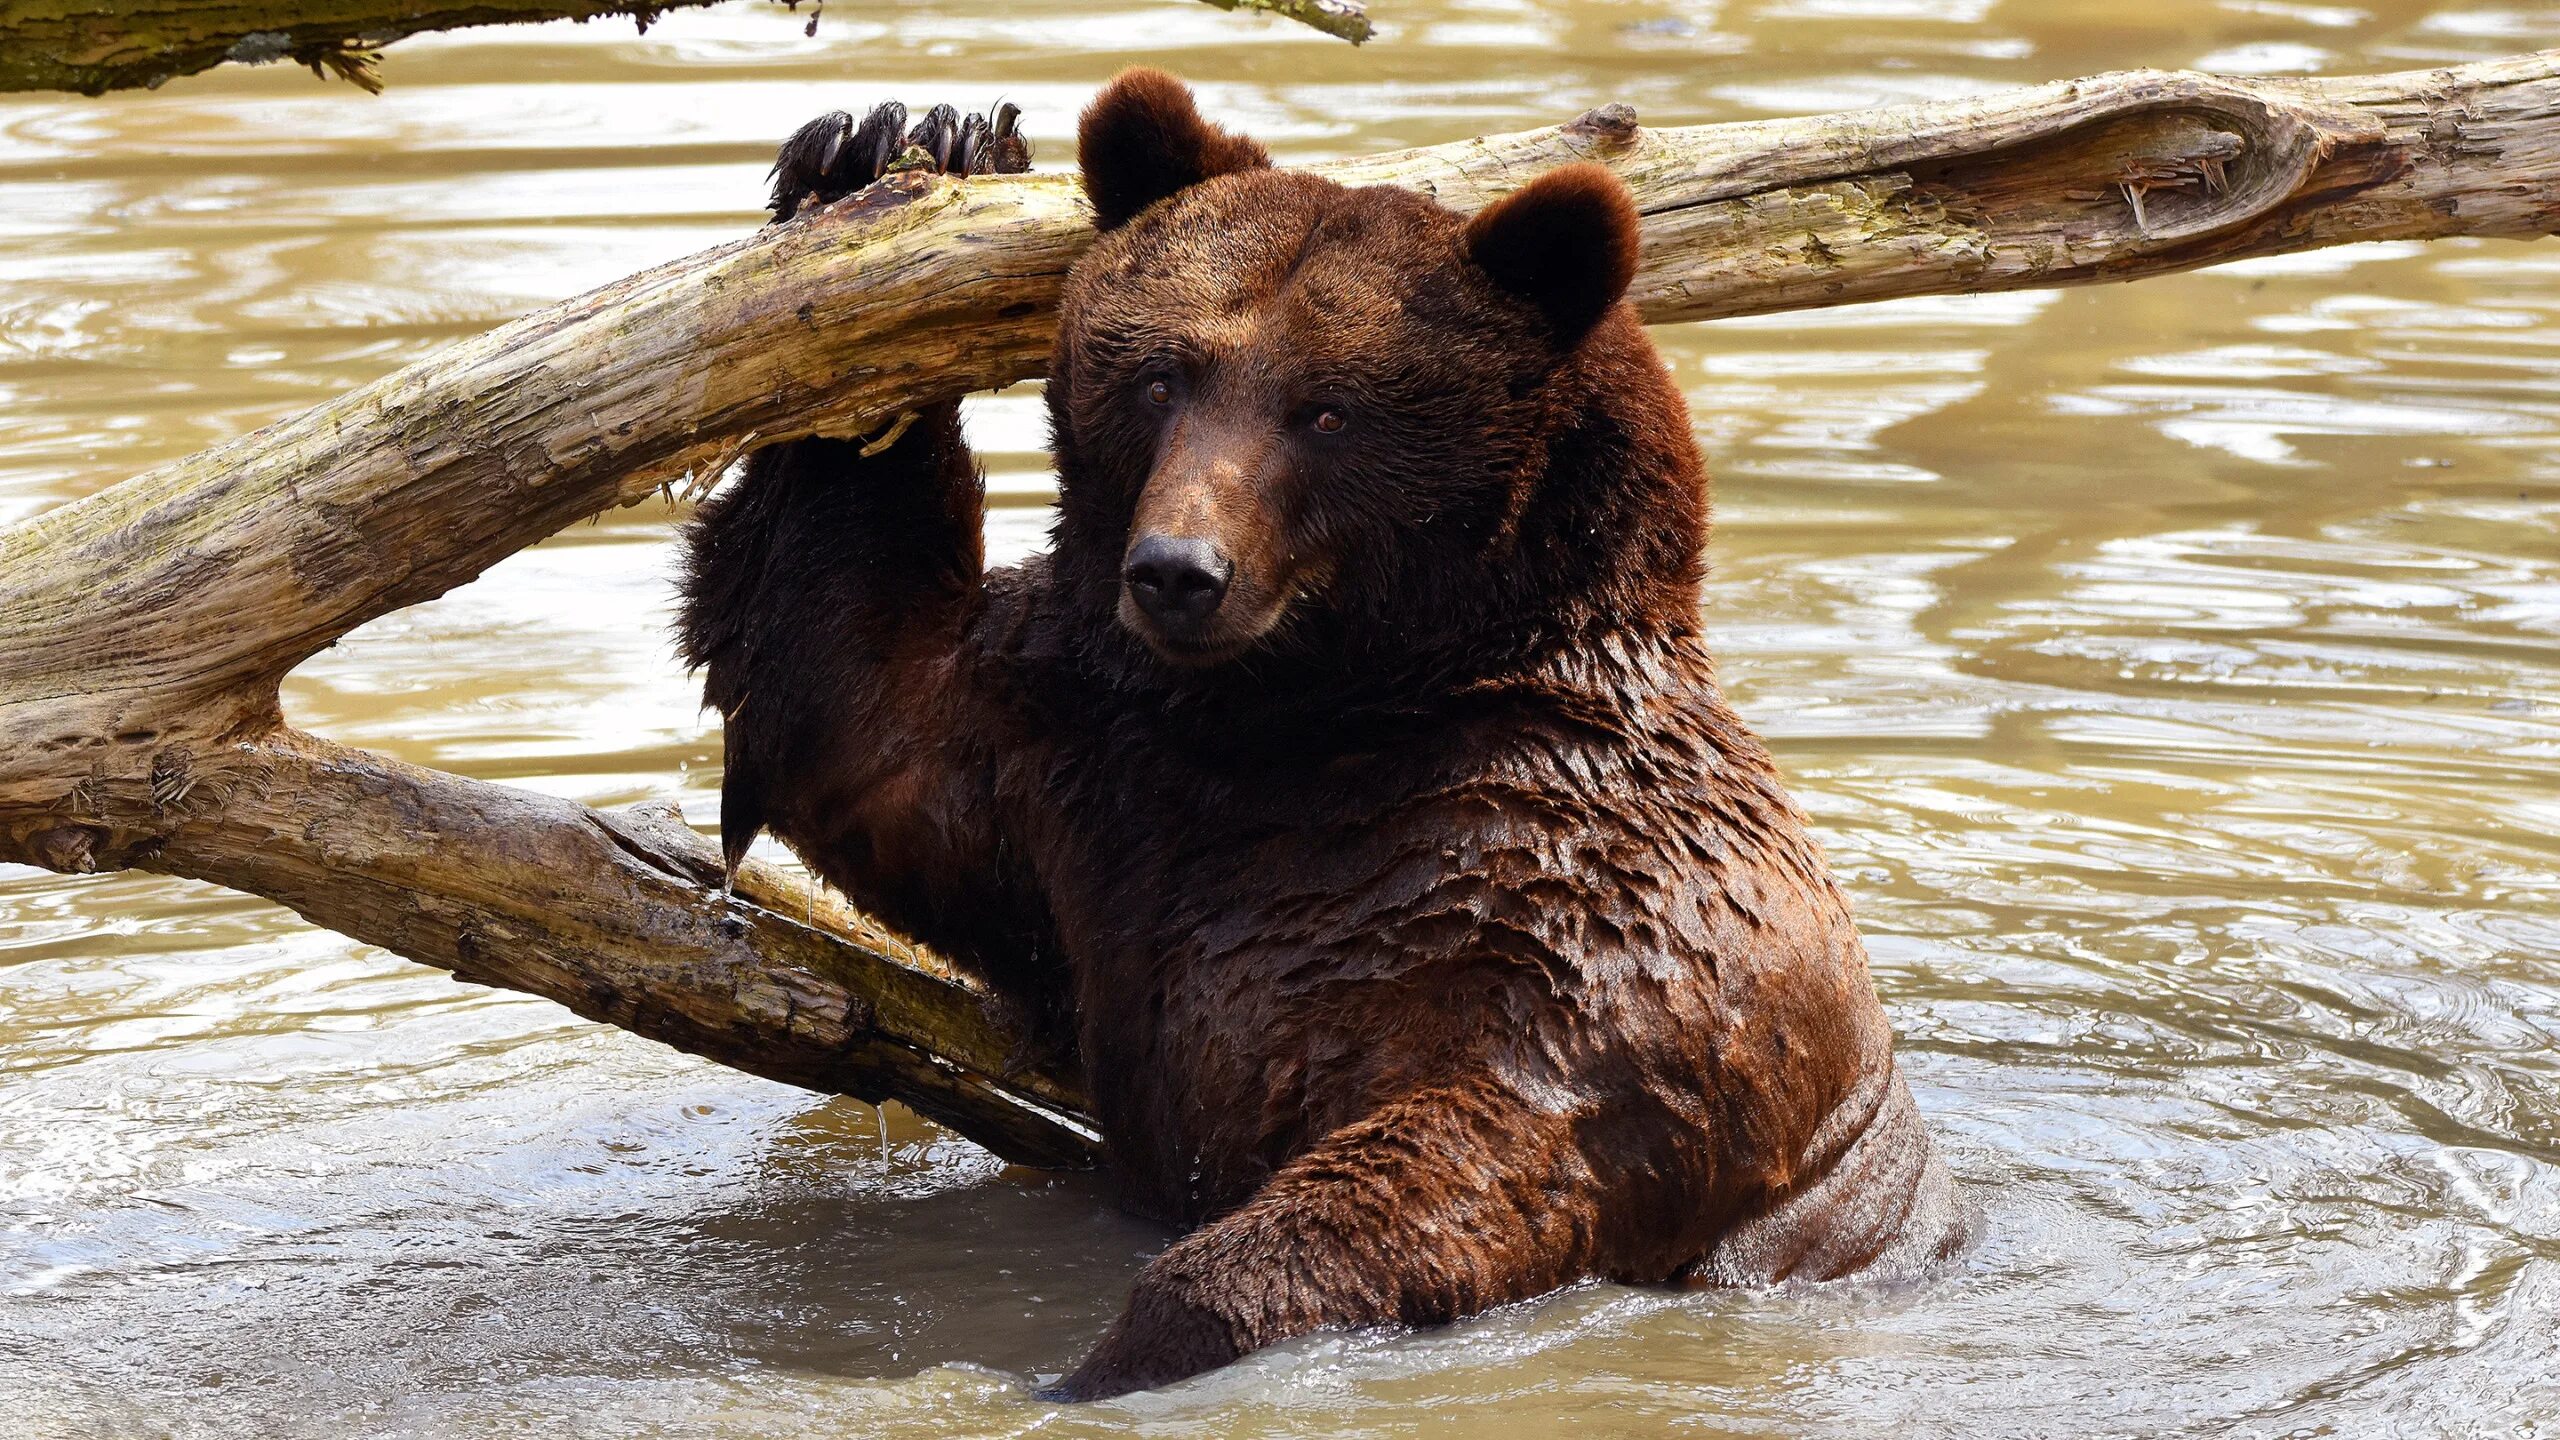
pixel 1208 570
pixel 1179 583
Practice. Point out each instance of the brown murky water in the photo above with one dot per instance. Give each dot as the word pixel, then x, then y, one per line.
pixel 2174 670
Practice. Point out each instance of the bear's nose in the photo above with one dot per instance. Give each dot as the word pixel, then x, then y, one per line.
pixel 1177 582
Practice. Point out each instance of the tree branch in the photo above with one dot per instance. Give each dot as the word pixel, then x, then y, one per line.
pixel 93 46
pixel 143 630
pixel 1341 19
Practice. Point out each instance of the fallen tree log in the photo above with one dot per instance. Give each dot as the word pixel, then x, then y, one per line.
pixel 93 46
pixel 144 629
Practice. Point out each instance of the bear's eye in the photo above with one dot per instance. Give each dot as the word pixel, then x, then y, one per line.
pixel 1330 422
pixel 1159 392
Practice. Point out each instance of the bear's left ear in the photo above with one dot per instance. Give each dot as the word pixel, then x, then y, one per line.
pixel 1565 243
pixel 1142 139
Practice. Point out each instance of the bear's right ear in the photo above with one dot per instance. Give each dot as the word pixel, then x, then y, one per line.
pixel 1142 139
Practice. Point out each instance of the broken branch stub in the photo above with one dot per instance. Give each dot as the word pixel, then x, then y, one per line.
pixel 144 629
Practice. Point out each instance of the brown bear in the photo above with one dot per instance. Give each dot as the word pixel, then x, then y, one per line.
pixel 1352 769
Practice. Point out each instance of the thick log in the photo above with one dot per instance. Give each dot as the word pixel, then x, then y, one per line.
pixel 93 46
pixel 143 630
pixel 622 917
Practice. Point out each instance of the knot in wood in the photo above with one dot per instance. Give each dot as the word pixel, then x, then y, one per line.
pixel 1611 124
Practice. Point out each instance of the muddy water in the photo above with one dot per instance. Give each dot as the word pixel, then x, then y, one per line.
pixel 2174 670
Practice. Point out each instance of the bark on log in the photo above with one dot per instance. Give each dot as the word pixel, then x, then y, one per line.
pixel 93 46
pixel 143 630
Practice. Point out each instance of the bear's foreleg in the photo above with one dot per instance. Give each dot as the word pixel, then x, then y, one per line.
pixel 828 596
pixel 1439 1205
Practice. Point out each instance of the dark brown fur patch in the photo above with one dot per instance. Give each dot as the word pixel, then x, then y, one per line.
pixel 1142 139
pixel 1567 243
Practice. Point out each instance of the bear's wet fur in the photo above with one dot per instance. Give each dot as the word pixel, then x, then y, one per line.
pixel 1351 774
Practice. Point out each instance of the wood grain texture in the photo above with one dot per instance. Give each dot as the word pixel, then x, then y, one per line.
pixel 144 629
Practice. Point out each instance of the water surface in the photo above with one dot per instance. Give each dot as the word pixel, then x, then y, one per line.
pixel 2173 669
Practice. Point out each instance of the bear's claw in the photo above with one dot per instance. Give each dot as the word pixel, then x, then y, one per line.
pixel 932 139
pixel 832 156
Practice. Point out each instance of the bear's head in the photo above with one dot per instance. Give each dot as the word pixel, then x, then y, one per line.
pixel 1348 433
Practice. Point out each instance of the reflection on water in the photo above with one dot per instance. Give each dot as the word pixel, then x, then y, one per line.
pixel 2174 670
